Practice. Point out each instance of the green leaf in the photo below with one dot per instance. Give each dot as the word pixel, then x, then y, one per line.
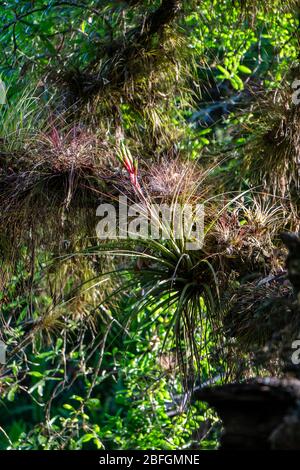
pixel 68 407
pixel 11 394
pixel 225 72
pixel 205 131
pixel 87 437
pixel 244 69
pixel 35 373
pixel 237 83
pixel 93 403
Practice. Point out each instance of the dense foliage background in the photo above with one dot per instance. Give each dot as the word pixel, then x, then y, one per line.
pixel 99 360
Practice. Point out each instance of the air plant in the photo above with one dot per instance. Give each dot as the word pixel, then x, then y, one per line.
pixel 165 276
pixel 173 175
pixel 74 146
pixel 272 156
pixel 259 309
pixel 131 166
pixel 55 183
pixel 261 320
pixel 244 236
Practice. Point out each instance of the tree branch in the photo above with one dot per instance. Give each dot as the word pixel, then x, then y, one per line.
pixel 85 84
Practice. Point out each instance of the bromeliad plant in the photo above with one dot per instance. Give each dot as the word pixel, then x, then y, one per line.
pixel 272 154
pixel 130 164
pixel 165 275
